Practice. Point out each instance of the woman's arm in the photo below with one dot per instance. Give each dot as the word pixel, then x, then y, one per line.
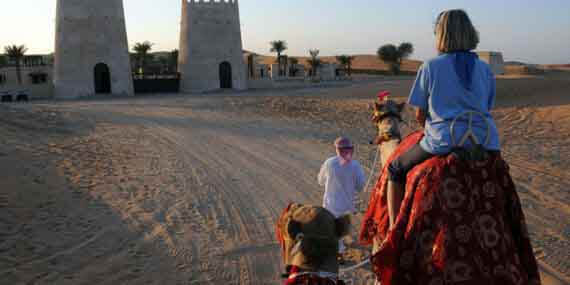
pixel 421 116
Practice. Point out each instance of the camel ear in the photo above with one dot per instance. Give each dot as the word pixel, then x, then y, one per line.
pixel 342 225
pixel 294 228
pixel 377 106
pixel 401 107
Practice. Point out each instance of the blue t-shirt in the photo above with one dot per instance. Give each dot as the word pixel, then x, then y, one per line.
pixel 439 91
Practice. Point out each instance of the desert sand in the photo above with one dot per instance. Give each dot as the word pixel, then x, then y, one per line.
pixel 185 189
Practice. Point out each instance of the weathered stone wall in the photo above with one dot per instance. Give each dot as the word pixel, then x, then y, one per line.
pixel 210 34
pixel 261 71
pixel 89 32
pixel 327 71
pixel 301 70
pixel 274 69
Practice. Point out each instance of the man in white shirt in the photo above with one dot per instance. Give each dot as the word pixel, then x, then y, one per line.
pixel 342 177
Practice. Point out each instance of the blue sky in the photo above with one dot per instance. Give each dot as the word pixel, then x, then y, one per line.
pixel 530 31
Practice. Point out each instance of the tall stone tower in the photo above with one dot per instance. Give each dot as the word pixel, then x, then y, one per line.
pixel 210 54
pixel 91 49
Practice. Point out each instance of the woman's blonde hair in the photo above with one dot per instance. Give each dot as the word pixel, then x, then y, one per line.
pixel 454 32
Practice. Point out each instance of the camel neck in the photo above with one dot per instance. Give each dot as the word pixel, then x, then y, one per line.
pixel 387 148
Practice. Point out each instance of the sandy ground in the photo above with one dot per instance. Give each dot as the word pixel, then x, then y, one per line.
pixel 180 189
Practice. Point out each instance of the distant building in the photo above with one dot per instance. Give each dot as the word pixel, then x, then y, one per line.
pixel 494 59
pixel 36 74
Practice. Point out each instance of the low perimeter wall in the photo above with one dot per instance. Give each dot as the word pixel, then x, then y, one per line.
pixel 158 85
pixel 293 83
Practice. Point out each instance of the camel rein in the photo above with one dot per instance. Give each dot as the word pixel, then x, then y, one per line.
pixel 366 260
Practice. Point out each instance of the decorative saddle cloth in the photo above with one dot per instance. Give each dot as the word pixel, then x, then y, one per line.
pixel 460 222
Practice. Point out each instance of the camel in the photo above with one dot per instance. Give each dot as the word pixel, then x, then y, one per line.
pixel 309 236
pixel 460 220
pixel 387 118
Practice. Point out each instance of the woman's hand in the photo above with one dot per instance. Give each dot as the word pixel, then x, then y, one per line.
pixel 421 117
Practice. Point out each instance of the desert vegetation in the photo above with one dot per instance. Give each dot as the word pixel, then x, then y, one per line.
pixel 346 62
pixel 278 47
pixel 394 55
pixel 142 55
pixel 16 53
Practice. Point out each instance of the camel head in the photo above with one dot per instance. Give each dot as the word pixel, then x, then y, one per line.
pixel 387 117
pixel 309 236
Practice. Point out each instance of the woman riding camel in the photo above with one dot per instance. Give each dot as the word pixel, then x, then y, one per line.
pixel 446 86
pixel 459 220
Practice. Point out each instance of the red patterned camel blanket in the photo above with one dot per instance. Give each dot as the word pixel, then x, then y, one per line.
pixel 460 222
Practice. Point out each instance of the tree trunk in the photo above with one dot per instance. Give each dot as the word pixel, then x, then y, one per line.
pixel 279 63
pixel 143 63
pixel 314 68
pixel 18 72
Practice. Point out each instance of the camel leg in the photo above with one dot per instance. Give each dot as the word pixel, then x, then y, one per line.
pixel 375 247
pixel 395 197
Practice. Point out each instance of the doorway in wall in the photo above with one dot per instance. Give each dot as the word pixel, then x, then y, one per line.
pixel 102 79
pixel 225 75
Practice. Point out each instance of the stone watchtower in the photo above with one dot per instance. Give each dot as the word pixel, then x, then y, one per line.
pixel 91 49
pixel 210 55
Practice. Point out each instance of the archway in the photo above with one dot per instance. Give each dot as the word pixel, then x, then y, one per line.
pixel 102 79
pixel 225 75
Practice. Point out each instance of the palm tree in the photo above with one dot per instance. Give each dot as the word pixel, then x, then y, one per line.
pixel 314 61
pixel 141 50
pixel 285 63
pixel 16 53
pixel 174 60
pixel 393 55
pixel 346 62
pixel 293 63
pixel 278 46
